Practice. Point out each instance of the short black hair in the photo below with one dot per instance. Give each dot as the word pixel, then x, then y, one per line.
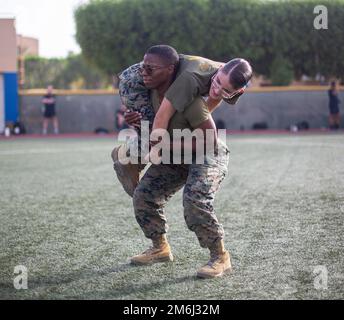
pixel 239 72
pixel 167 53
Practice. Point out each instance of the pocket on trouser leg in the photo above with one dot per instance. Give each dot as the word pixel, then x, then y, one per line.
pixel 204 181
pixel 201 219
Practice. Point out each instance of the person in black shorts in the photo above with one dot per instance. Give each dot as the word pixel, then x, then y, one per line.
pixel 49 112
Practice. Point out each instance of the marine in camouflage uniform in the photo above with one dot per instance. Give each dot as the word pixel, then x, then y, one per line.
pixel 201 181
pixel 161 182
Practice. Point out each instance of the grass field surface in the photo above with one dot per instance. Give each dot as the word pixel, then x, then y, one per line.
pixel 64 217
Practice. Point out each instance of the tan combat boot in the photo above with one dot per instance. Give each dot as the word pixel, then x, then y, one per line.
pixel 218 264
pixel 160 252
pixel 127 174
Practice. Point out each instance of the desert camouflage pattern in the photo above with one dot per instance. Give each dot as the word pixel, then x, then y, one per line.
pixel 200 182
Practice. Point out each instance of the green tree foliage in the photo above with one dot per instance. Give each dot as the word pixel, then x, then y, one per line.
pixel 72 72
pixel 39 72
pixel 281 72
pixel 114 34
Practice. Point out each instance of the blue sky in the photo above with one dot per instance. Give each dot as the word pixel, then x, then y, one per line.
pixel 51 21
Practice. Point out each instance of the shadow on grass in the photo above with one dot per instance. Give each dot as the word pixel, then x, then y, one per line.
pixel 86 273
pixel 52 280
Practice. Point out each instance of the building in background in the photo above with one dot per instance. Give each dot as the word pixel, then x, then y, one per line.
pixel 26 46
pixel 8 73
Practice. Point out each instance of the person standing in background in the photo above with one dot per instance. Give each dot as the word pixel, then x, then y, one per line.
pixel 334 117
pixel 49 112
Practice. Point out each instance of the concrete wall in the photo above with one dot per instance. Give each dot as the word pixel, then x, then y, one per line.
pixel 84 113
pixel 278 109
pixel 76 113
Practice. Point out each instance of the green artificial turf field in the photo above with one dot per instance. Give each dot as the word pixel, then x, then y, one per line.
pixel 65 218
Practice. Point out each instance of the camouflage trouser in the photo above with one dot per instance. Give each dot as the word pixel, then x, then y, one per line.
pixel 136 97
pixel 200 181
